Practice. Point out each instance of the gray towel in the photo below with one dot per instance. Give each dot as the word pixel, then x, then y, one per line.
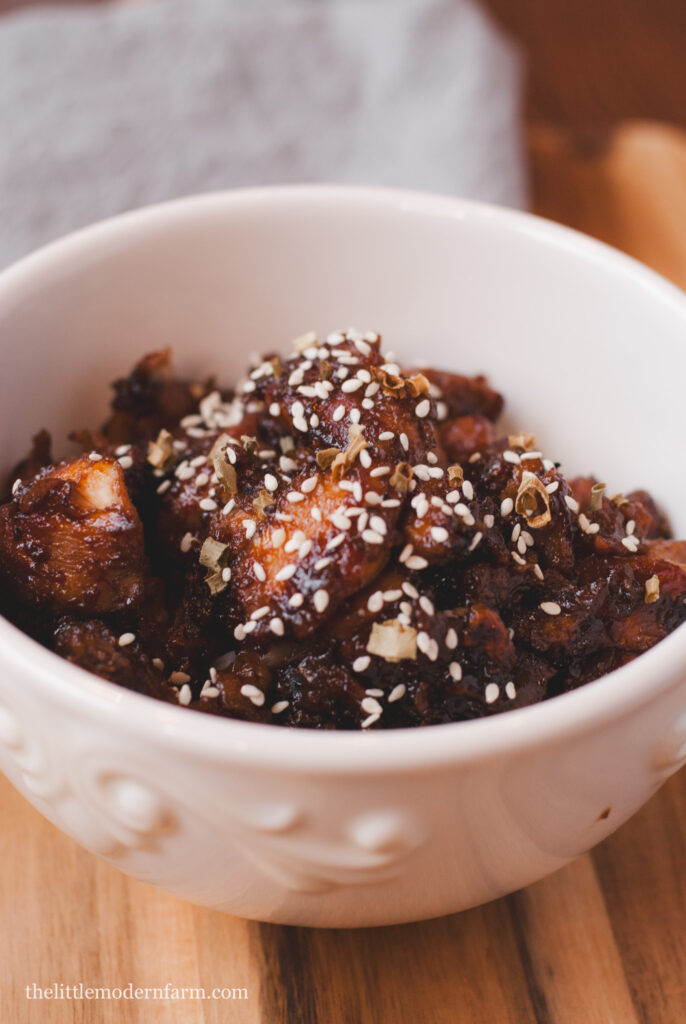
pixel 106 108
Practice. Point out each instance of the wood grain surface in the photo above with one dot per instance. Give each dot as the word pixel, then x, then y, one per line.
pixel 600 941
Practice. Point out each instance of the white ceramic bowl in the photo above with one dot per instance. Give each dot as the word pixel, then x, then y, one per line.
pixel 349 829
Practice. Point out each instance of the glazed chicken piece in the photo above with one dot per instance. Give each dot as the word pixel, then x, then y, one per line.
pixel 321 393
pixel 94 646
pixel 71 540
pixel 151 399
pixel 624 603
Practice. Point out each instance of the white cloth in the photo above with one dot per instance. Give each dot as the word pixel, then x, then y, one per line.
pixel 107 108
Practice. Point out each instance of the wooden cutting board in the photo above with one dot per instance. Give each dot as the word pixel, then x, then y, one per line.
pixel 602 940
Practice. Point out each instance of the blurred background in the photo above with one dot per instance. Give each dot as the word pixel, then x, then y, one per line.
pixel 587 62
pixel 573 109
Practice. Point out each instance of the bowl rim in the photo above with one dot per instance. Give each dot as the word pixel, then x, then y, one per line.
pixel 615 695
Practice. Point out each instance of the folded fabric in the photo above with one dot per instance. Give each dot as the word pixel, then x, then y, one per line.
pixel 106 108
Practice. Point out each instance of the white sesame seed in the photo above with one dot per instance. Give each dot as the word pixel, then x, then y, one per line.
pixel 426 605
pixel 278 537
pixel 260 613
pixel 125 639
pixel 254 695
pixel 122 449
pixel 361 663
pixel 572 503
pixel 249 526
pixel 126 462
pixel 392 595
pixel 280 706
pixel 239 632
pixel 335 541
pixel 321 600
pixel 405 553
pixel 185 695
pixel 513 458
pixel 365 458
pixel 258 569
pixel 372 498
pixel 439 534
pixel 630 527
pixel 339 413
pixel 511 690
pixel 270 482
pixel 404 441
pixel 286 572
pixel 370 720
pixel 416 562
pixel 274 409
pixel 492 693
pixel 378 524
pixel 305 548
pixel 467 490
pixel 550 607
pixel 630 543
pixel 371 706
pixel 423 408
pixel 164 486
pixel 551 488
pixel 455 670
pixel 208 505
pixel 451 640
pixel 95 457
pixel 294 497
pixel 308 485
pixel 489 521
pixel 397 693
pixel 375 602
pixel 372 537
pixel 506 507
pixel 348 386
pixel 186 542
pixel 276 626
pixel 249 627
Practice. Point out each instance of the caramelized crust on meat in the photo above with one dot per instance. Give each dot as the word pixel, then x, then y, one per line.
pixel 72 541
pixel 338 544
